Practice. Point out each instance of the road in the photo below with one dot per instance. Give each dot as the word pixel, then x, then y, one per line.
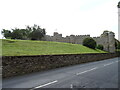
pixel 99 74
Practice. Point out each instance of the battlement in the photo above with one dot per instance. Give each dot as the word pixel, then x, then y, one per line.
pixel 82 35
pixel 96 37
pixel 57 35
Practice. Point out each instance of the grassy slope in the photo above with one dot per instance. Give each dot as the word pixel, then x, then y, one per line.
pixel 28 47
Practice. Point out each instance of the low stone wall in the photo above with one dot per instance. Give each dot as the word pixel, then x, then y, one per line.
pixel 18 65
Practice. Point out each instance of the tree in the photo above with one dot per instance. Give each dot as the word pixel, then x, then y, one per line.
pixel 117 44
pixel 99 46
pixel 6 33
pixel 118 47
pixel 89 42
pixel 118 4
pixel 17 34
pixel 34 33
pixel 37 33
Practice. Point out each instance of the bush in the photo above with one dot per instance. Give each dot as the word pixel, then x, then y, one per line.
pixel 118 52
pixel 89 42
pixel 117 44
pixel 99 46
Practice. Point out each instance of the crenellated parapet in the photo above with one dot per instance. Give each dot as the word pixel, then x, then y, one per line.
pixel 82 35
pixel 96 37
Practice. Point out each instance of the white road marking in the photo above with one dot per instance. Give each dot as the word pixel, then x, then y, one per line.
pixel 86 71
pixel 117 61
pixel 71 86
pixel 108 64
pixel 46 84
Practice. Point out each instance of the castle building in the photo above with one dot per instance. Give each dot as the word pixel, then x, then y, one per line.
pixel 107 39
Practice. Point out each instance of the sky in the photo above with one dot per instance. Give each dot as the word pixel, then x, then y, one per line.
pixel 78 17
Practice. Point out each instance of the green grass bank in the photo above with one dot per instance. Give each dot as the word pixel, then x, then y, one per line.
pixel 29 47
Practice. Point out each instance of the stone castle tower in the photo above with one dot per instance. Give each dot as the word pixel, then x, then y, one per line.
pixel 111 42
pixel 107 39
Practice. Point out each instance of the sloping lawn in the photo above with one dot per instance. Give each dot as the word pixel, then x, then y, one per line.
pixel 28 47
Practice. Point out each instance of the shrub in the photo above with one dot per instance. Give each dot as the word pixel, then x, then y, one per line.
pixel 89 42
pixel 99 46
pixel 117 44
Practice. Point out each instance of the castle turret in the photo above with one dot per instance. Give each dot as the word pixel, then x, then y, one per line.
pixel 111 42
pixel 108 41
pixel 104 40
pixel 55 33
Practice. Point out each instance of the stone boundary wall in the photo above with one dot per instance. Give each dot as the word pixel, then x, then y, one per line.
pixel 19 65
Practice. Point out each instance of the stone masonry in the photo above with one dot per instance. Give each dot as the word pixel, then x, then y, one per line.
pixel 107 39
pixel 20 65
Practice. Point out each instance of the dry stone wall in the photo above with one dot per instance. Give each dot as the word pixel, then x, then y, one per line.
pixel 19 65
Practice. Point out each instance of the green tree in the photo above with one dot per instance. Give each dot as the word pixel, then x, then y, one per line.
pixel 89 42
pixel 99 46
pixel 17 34
pixel 37 32
pixel 118 4
pixel 6 33
pixel 117 44
pixel 34 33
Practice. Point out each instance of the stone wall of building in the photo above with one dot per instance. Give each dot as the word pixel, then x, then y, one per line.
pixel 106 39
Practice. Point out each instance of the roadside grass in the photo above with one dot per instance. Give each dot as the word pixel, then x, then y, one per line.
pixel 118 50
pixel 29 47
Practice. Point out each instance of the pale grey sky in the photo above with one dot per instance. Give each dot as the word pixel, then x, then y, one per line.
pixel 68 17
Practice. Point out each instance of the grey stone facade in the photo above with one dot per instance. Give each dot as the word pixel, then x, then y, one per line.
pixel 106 39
